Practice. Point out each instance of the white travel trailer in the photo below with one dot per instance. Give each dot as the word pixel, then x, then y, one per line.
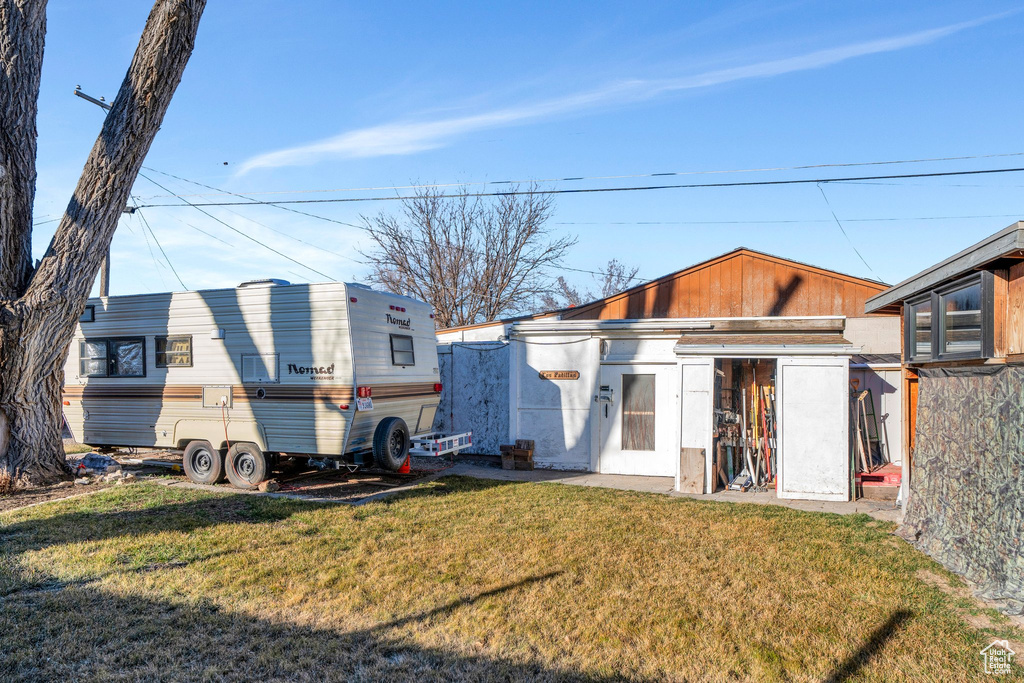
pixel 237 377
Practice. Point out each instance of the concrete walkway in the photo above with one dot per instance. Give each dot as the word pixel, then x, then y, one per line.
pixel 666 485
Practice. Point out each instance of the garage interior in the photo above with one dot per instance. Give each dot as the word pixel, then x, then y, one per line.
pixel 745 448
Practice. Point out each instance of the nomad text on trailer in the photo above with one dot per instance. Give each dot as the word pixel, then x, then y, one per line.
pixel 237 377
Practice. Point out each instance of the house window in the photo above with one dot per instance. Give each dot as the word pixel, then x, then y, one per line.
pixel 954 322
pixel 919 322
pixel 112 358
pixel 638 412
pixel 401 350
pixel 961 320
pixel 173 351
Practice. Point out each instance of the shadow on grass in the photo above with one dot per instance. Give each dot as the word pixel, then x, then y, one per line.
pixel 879 637
pixel 107 636
pixel 184 517
pixel 22 582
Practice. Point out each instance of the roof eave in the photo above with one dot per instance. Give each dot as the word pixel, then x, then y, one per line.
pixel 992 248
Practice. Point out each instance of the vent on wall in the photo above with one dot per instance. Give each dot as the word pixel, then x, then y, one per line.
pixel 260 367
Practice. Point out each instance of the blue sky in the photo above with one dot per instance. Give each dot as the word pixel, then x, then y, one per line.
pixel 333 95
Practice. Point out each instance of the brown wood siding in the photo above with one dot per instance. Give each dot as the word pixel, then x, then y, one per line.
pixel 1015 310
pixel 741 283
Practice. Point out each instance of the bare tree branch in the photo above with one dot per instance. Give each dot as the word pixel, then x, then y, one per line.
pixel 472 259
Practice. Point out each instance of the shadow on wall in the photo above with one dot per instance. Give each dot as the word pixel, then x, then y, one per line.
pixel 274 339
pixel 784 294
pixel 104 398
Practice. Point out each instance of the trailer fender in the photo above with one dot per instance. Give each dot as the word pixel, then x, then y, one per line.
pixel 213 431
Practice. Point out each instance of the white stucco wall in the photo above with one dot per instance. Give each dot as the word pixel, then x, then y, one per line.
pixel 880 334
pixel 475 379
pixel 557 414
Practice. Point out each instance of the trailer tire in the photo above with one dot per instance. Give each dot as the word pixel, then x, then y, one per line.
pixel 391 444
pixel 246 466
pixel 203 463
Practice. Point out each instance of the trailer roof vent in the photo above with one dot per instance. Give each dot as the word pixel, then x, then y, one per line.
pixel 265 282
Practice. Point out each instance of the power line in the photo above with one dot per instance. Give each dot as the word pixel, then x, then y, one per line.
pixel 160 247
pixel 591 190
pixel 795 221
pixel 843 230
pixel 153 256
pixel 233 229
pixel 604 177
pixel 272 229
pixel 283 208
pixel 323 218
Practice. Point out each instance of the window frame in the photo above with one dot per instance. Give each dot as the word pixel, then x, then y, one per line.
pixel 167 338
pixel 411 351
pixel 910 330
pixel 938 324
pixel 107 341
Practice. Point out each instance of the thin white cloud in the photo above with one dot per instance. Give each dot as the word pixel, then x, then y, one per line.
pixel 416 136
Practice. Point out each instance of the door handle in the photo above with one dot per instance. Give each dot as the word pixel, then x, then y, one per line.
pixel 606 410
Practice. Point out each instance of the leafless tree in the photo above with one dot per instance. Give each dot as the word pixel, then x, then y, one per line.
pixel 40 305
pixel 617 278
pixel 472 258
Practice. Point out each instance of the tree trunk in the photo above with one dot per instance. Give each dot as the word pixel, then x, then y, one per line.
pixel 37 320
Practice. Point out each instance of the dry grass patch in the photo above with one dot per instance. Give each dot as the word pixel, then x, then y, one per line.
pixel 465 580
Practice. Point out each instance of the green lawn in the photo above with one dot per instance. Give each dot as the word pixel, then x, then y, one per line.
pixel 465 579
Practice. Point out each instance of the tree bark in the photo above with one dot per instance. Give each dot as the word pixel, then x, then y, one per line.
pixel 38 317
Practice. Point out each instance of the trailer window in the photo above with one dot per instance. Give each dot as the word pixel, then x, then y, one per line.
pixel 93 358
pixel 401 350
pixel 173 351
pixel 112 358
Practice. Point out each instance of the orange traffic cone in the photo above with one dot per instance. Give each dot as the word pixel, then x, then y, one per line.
pixel 404 469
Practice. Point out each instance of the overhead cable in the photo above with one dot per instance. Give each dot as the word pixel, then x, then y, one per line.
pixel 592 190
pixel 243 234
pixel 602 177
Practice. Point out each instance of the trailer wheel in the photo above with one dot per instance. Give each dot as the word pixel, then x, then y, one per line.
pixel 203 463
pixel 391 444
pixel 246 465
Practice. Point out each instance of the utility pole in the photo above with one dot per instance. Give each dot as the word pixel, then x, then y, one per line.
pixel 105 266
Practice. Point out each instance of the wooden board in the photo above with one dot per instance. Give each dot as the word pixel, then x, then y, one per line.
pixel 691 470
pixel 741 283
pixel 1015 310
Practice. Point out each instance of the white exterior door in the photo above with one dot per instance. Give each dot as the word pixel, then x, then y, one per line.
pixel 813 399
pixel 638 408
pixel 697 411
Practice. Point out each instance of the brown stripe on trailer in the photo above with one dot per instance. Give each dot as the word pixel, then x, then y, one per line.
pixel 195 393
pixel 247 392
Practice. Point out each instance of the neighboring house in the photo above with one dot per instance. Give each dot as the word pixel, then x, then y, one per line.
pixel 620 385
pixel 963 356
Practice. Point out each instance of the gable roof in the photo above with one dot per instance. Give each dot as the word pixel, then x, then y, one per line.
pixel 740 283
